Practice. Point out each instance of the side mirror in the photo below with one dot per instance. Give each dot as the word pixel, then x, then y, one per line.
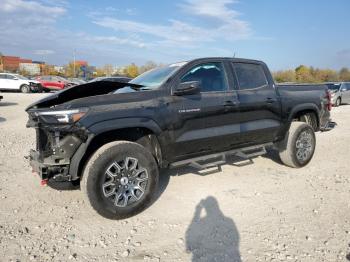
pixel 187 88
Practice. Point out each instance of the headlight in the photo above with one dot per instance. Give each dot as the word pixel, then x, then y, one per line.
pixel 333 94
pixel 62 116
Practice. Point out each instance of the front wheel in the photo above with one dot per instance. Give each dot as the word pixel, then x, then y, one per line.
pixel 120 179
pixel 298 147
pixel 25 89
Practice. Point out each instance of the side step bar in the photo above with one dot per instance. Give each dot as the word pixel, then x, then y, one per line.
pixel 329 126
pixel 244 153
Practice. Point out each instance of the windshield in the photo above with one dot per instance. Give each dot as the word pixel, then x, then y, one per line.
pixel 21 77
pixel 155 77
pixel 333 86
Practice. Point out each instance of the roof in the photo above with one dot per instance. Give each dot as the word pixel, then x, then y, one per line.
pixel 242 60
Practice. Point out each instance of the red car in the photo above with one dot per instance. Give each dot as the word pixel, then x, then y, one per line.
pixel 53 82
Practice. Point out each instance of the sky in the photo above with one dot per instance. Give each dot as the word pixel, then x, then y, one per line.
pixel 283 33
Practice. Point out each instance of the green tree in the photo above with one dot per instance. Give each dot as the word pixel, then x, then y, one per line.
pixel 148 66
pixel 108 69
pixel 69 70
pixel 344 74
pixel 284 76
pixel 303 74
pixel 132 70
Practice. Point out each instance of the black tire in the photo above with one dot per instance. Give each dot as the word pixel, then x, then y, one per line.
pixel 25 89
pixel 337 102
pixel 310 119
pixel 63 186
pixel 288 151
pixel 95 176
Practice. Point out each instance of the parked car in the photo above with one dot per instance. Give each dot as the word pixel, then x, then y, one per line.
pixel 112 79
pixel 54 82
pixel 340 93
pixel 114 143
pixel 15 82
pixel 77 81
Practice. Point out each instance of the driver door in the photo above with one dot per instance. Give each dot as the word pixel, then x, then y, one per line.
pixel 202 122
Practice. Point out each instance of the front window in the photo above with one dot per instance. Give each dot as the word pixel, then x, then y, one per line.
pixel 211 77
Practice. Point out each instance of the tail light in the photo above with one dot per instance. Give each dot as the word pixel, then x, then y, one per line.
pixel 329 100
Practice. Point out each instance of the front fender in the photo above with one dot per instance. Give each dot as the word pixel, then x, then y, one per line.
pixel 120 123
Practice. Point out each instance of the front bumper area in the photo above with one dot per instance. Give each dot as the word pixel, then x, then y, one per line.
pixel 45 168
pixel 53 154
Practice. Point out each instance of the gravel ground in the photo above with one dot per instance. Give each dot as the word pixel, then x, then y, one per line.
pixel 258 212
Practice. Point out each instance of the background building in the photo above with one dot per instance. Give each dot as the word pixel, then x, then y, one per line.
pixel 30 68
pixel 11 63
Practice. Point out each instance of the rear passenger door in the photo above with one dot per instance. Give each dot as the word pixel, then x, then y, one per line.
pixel 259 106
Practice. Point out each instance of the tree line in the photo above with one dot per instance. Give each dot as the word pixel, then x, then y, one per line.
pixel 305 74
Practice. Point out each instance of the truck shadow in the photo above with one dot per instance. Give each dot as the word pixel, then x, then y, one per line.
pixel 273 155
pixel 212 236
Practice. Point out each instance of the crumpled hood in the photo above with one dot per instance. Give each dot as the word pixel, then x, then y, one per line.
pixel 79 91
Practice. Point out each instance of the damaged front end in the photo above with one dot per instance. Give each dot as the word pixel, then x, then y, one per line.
pixel 61 138
pixel 57 139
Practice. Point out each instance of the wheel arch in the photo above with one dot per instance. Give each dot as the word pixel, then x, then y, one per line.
pixel 145 136
pixel 307 109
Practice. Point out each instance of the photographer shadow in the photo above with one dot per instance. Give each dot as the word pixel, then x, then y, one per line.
pixel 212 236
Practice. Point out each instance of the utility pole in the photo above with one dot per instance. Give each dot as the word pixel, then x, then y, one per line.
pixel 74 63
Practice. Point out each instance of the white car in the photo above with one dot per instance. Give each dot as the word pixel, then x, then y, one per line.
pixel 17 82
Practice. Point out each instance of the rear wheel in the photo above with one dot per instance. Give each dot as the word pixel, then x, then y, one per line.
pixel 298 147
pixel 120 179
pixel 25 88
pixel 310 119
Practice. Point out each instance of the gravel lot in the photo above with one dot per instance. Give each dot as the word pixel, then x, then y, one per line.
pixel 258 212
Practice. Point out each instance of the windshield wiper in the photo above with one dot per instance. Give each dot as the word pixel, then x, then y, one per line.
pixel 137 88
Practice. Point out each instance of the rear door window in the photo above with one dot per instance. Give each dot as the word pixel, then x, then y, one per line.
pixel 10 77
pixel 250 76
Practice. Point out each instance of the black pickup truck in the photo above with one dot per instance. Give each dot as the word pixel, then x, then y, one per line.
pixel 111 138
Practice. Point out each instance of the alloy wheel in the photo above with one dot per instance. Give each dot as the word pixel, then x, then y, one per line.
pixel 304 146
pixel 125 182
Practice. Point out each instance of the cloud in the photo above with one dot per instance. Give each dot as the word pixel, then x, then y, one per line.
pixel 113 40
pixel 32 7
pixel 217 9
pixel 32 29
pixel 227 26
pixel 44 52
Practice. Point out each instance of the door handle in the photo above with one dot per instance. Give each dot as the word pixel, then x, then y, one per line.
pixel 270 100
